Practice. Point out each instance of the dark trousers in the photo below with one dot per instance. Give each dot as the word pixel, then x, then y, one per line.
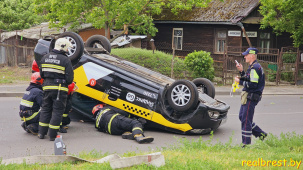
pixel 121 124
pixel 248 127
pixel 66 118
pixel 33 119
pixel 51 112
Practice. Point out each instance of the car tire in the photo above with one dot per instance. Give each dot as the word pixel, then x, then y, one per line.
pixel 206 86
pixel 182 95
pixel 75 53
pixel 100 39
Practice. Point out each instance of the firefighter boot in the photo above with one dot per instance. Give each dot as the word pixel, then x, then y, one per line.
pixel 23 125
pixel 40 136
pixel 128 135
pixel 263 136
pixel 62 130
pixel 142 139
pixel 32 129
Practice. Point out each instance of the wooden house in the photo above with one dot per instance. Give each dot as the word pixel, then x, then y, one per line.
pixel 215 28
pixel 220 29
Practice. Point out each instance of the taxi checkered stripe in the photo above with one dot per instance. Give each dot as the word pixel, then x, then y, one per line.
pixel 135 110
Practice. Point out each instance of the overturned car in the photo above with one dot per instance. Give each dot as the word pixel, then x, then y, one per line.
pixel 180 106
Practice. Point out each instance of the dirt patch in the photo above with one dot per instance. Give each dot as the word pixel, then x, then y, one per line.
pixel 15 75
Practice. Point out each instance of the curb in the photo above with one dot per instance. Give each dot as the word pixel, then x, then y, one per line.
pixel 219 93
pixel 264 93
pixel 11 94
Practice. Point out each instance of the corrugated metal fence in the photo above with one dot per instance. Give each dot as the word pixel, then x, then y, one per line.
pixel 17 51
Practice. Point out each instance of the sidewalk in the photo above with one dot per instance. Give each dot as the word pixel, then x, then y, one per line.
pixel 18 90
pixel 268 90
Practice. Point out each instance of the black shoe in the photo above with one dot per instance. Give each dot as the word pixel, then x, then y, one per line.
pixel 32 129
pixel 128 135
pixel 141 139
pixel 40 136
pixel 23 125
pixel 52 139
pixel 62 130
pixel 263 136
pixel 244 145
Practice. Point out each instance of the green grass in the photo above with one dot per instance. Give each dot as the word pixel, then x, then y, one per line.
pixel 209 154
pixel 158 61
pixel 10 75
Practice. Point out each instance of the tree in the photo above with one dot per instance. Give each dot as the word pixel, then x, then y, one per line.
pixel 284 16
pixel 17 14
pixel 108 14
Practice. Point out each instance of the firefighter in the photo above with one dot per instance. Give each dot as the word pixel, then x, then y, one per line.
pixel 30 104
pixel 57 72
pixel 117 122
pixel 66 118
pixel 253 82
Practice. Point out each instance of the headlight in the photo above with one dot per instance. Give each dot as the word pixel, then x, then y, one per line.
pixel 213 114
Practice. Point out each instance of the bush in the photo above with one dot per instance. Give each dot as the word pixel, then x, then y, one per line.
pixel 201 64
pixel 289 57
pixel 159 61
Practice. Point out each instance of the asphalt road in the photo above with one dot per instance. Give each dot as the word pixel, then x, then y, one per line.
pixel 274 114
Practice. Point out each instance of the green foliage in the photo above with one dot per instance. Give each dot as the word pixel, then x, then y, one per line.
pixel 272 75
pixel 287 76
pixel 136 14
pixel 289 57
pixel 284 16
pixel 203 154
pixel 18 14
pixel 159 61
pixel 201 64
pixel 9 75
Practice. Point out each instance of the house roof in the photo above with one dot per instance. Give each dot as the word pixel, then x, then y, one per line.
pixel 123 40
pixel 217 11
pixel 40 31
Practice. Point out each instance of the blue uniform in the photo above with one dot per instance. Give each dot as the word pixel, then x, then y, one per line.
pixel 253 81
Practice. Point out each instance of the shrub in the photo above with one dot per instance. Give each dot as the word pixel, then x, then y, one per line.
pixel 159 61
pixel 289 57
pixel 201 64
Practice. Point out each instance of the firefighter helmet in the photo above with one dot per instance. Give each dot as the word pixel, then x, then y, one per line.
pixel 97 108
pixel 35 67
pixel 36 78
pixel 62 44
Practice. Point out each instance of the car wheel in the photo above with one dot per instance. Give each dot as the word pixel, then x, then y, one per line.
pixel 206 86
pixel 76 51
pixel 96 40
pixel 182 95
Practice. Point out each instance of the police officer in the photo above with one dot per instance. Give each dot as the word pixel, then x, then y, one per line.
pixel 57 72
pixel 117 122
pixel 30 104
pixel 253 82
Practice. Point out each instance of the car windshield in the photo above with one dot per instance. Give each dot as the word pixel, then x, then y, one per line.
pixel 136 69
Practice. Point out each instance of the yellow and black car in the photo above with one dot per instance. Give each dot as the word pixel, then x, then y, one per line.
pixel 180 106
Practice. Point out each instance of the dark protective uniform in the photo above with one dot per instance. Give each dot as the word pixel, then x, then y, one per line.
pixel 115 122
pixel 253 81
pixel 30 105
pixel 65 117
pixel 57 72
